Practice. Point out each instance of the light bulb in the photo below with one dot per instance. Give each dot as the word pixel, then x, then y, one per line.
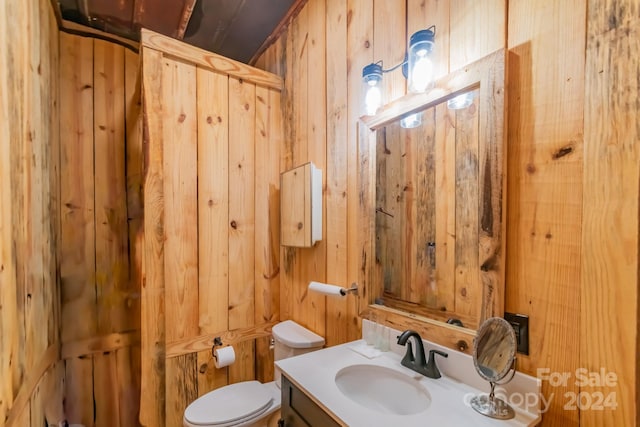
pixel 411 121
pixel 460 101
pixel 373 99
pixel 422 74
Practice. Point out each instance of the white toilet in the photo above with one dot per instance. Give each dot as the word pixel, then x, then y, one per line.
pixel 251 403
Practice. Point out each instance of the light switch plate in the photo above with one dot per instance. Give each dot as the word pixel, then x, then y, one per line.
pixel 520 324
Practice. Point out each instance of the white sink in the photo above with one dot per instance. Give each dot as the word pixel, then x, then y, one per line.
pixel 383 389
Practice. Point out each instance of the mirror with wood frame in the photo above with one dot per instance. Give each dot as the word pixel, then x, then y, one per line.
pixel 432 207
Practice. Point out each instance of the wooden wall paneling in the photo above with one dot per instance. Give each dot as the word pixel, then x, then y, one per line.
pixel 213 216
pixel 180 197
pixel 242 167
pixel 51 86
pixel 153 334
pixel 422 14
pixel 179 112
pixel 213 200
pixel 467 270
pixel 545 128
pixel 424 139
pixel 287 254
pixel 7 273
pixel 129 359
pixel 445 215
pixel 389 44
pixel 359 54
pixel 301 304
pixel 77 232
pixel 469 38
pixel 209 377
pixel 111 226
pixel 181 386
pixel 407 192
pixel 610 205
pixel 339 310
pixel 313 75
pixel 268 137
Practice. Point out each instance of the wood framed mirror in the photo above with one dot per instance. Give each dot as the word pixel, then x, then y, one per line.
pixel 432 207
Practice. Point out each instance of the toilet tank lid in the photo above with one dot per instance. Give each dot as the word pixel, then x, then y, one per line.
pixel 295 336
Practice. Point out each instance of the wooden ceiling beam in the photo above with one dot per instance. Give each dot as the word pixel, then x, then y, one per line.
pixel 187 10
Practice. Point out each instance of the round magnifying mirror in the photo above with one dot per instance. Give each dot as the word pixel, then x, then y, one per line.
pixel 494 355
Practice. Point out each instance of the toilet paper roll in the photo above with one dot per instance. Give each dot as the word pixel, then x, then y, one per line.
pixel 224 356
pixel 326 289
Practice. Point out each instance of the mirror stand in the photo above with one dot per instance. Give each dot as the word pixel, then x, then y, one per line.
pixel 492 406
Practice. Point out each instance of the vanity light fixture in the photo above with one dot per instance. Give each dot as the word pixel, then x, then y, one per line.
pixel 417 67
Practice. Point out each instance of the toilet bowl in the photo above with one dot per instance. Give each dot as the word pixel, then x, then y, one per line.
pixel 251 403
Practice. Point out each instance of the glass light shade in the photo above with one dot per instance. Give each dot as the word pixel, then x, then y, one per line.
pixel 372 97
pixel 419 61
pixel 411 121
pixel 461 101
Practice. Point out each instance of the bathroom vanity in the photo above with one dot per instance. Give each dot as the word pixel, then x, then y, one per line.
pixel 350 385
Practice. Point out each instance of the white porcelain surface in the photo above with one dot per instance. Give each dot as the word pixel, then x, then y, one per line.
pixel 315 373
pixel 384 390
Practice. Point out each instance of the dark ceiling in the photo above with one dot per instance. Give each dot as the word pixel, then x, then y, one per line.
pixel 237 29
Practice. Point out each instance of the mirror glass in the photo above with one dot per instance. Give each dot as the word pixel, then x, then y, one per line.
pixel 426 216
pixel 431 206
pixel 494 356
pixel 495 349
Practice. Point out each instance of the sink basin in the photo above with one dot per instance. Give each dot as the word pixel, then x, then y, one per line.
pixel 383 389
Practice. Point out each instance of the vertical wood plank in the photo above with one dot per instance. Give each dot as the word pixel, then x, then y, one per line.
pixel 267 217
pixel 180 198
pixel 359 54
pixel 467 280
pixel 112 263
pixel 209 377
pixel 107 402
pixel 77 235
pixel 314 261
pixel 546 98
pixel 242 166
pixel 445 216
pixel 182 386
pixel 129 359
pixel 611 187
pixel 213 200
pixel 8 313
pixel 181 233
pixel 111 227
pixel 389 38
pixel 153 334
pixel 242 112
pixel 469 39
pixel 338 309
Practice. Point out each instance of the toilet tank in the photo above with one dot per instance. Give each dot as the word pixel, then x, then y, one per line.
pixel 291 340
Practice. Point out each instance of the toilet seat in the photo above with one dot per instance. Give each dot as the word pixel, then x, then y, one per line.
pixel 230 405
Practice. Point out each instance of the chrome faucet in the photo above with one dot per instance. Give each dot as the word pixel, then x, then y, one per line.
pixel 418 363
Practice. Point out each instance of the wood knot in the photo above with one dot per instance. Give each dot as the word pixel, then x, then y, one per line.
pixel 462 345
pixel 563 152
pixel 463 292
pixel 210 202
pixel 367 44
pixel 531 168
pixel 246 107
pixel 219 119
pixel 300 225
pixel 182 118
pixel 234 225
pixel 209 119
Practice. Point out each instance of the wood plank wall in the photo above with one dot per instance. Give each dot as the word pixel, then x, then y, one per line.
pixel 572 179
pixel 30 378
pixel 100 230
pixel 212 142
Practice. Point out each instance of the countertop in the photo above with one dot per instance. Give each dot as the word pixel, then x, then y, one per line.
pixel 314 373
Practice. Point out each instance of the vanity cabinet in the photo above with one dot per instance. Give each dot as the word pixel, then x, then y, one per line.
pixel 298 410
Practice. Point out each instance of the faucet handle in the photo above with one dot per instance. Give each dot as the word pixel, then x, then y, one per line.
pixel 432 368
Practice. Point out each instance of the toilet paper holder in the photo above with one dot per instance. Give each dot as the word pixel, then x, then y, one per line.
pixel 217 342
